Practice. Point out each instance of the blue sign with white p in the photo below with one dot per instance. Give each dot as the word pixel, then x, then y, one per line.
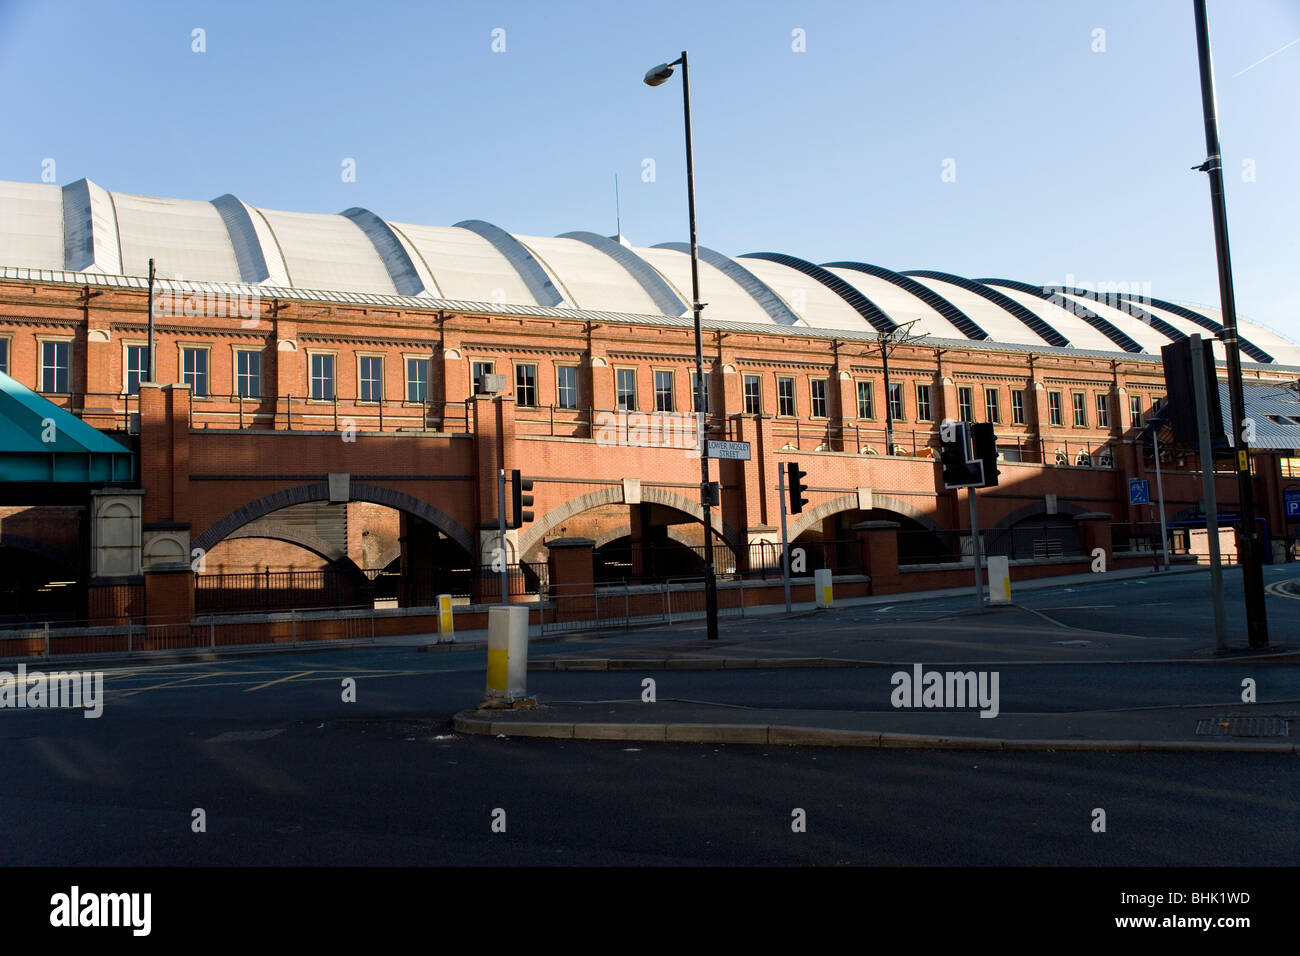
pixel 1139 491
pixel 1291 500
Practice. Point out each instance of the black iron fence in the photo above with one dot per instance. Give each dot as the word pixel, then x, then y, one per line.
pixel 641 563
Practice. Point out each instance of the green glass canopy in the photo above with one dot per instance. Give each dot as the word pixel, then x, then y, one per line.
pixel 40 442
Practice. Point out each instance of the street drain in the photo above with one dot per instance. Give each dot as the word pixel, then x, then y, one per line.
pixel 1243 727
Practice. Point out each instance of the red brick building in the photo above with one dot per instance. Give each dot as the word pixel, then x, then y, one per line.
pixel 314 399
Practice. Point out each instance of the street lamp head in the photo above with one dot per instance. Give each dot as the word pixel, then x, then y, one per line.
pixel 658 75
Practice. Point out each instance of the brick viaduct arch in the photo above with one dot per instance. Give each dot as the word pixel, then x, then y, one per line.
pixel 814 517
pixel 319 491
pixel 532 536
pixel 1063 508
pixel 20 543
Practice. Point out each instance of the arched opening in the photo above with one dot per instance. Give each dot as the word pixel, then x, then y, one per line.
pixel 652 560
pixel 36 587
pixel 1035 536
pixel 315 554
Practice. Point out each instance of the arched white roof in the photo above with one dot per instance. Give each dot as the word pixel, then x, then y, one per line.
pixel 82 228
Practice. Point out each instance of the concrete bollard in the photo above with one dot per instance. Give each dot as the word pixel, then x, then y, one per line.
pixel 507 667
pixel 822 587
pixel 446 623
pixel 999 567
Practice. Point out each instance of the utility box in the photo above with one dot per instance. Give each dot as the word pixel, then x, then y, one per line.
pixel 999 567
pixel 507 666
pixel 822 587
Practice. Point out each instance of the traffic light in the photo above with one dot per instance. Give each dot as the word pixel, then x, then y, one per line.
pixel 521 501
pixel 959 469
pixel 986 450
pixel 795 486
pixel 1179 383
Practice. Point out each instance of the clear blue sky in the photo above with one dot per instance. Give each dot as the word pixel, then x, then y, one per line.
pixel 1068 161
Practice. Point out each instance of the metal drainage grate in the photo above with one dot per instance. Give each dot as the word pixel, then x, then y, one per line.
pixel 1243 727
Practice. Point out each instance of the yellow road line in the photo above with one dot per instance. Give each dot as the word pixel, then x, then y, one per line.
pixel 278 680
pixel 1277 590
pixel 171 683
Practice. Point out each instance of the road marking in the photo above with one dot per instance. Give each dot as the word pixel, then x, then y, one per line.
pixel 278 680
pixel 173 683
pixel 1077 607
pixel 881 610
pixel 1278 589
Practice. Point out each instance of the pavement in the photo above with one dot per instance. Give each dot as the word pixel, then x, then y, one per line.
pixel 947 634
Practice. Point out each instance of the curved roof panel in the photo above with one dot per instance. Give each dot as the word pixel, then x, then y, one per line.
pixel 31 224
pixel 902 295
pixel 663 295
pixel 592 278
pixel 466 266
pixel 535 277
pixel 758 290
pixel 848 294
pixel 723 298
pixel 323 251
pixel 185 237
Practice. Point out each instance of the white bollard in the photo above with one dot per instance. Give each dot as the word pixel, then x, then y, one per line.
pixel 507 669
pixel 822 587
pixel 999 566
pixel 446 624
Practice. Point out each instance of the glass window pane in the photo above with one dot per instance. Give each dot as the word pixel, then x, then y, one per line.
pixel 566 386
pixel 417 380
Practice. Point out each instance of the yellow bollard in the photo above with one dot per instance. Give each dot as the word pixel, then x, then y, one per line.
pixel 446 623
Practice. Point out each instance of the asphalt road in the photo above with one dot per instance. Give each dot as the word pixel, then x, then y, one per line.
pixel 287 772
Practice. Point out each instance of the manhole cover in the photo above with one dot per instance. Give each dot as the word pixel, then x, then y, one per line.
pixel 1243 727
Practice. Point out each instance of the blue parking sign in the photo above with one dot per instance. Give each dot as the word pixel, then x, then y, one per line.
pixel 1139 491
pixel 1291 501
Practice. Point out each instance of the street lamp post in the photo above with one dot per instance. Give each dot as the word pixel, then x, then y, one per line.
pixel 654 77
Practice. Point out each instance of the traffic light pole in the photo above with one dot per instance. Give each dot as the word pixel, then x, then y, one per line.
pixel 1252 571
pixel 785 541
pixel 975 548
pixel 1160 495
pixel 1211 504
pixel 501 540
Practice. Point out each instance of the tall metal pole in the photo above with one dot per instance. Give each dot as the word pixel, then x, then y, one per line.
pixel 150 366
pixel 785 539
pixel 1211 505
pixel 1160 494
pixel 710 577
pixel 501 540
pixel 975 548
pixel 889 405
pixel 1252 572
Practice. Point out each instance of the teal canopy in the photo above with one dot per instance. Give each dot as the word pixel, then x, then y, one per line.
pixel 41 442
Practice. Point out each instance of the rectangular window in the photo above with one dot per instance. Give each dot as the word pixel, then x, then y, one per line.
pixel 664 391
pixel 137 371
pixel 1054 414
pixel 785 396
pixel 625 386
pixel 371 379
pixel 1103 410
pixel 1135 410
pixel 55 360
pixel 966 403
pixel 322 377
pixel 992 405
pixel 1080 404
pixel 194 367
pixel 818 388
pixel 566 386
pixel 753 395
pixel 417 380
pixel 704 391
pixel 923 412
pixel 866 401
pixel 526 386
pixel 248 374
pixel 895 401
pixel 1017 406
pixel 4 356
pixel 477 371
